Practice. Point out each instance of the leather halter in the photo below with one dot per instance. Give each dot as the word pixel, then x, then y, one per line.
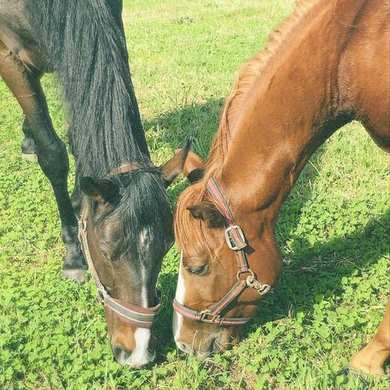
pixel 138 316
pixel 246 278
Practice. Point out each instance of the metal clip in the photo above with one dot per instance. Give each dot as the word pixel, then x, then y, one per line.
pixel 235 238
pixel 261 288
pixel 252 282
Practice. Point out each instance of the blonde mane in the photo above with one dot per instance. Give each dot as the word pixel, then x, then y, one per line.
pixel 248 74
pixel 189 231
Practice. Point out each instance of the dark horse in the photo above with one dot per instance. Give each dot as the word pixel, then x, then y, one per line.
pixel 328 64
pixel 120 193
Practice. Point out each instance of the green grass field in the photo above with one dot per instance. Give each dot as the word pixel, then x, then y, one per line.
pixel 333 230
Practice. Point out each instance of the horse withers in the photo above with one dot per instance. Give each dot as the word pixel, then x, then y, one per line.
pixel 285 103
pixel 119 194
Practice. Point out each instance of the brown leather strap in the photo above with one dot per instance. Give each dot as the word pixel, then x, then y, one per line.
pixel 246 278
pixel 236 241
pixel 83 238
pixel 205 316
pixel 141 317
pixel 135 315
pixel 218 307
pixel 242 261
pixel 219 200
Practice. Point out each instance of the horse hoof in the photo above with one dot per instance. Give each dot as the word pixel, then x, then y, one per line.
pixel 77 275
pixel 30 157
pixel 366 370
pixel 358 367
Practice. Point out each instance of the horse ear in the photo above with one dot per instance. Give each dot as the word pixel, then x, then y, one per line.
pixel 207 212
pixel 194 167
pixel 184 161
pixel 173 167
pixel 101 190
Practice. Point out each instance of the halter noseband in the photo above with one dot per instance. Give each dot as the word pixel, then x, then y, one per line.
pixel 246 278
pixel 138 316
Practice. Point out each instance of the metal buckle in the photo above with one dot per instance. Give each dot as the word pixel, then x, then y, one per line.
pixel 232 242
pixel 205 315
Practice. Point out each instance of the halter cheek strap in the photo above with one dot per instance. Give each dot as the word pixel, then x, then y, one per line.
pixel 246 278
pixel 137 316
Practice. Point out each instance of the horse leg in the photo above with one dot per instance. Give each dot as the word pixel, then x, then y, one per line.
pixel 28 144
pixel 371 359
pixel 76 195
pixel 51 153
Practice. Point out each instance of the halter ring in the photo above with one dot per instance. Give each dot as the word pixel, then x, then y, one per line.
pixel 250 277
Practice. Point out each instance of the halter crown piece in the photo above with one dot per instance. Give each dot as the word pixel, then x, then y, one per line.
pixel 141 317
pixel 246 278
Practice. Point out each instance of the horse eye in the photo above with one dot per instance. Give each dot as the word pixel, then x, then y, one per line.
pixel 198 269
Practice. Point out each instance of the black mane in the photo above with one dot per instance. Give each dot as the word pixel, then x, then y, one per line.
pixel 85 45
pixel 150 210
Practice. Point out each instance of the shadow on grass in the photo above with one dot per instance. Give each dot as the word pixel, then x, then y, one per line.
pixel 316 272
pixel 199 121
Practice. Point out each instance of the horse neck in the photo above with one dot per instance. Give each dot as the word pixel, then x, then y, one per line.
pixel 290 110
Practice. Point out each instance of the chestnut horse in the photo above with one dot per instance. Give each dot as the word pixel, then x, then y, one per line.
pixel 126 217
pixel 326 66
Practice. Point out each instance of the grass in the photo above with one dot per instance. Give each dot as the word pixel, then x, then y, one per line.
pixel 333 230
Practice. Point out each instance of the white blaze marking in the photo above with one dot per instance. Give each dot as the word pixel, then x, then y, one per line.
pixel 144 235
pixel 180 290
pixel 141 355
pixel 144 290
pixel 180 295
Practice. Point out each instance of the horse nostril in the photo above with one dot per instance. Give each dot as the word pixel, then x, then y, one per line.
pixel 214 346
pixel 183 347
pixel 116 352
pixel 120 355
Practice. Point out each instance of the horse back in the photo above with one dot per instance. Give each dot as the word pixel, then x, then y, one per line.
pixel 364 76
pixel 17 36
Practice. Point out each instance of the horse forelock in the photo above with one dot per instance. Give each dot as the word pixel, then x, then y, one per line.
pixel 144 205
pixel 189 232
